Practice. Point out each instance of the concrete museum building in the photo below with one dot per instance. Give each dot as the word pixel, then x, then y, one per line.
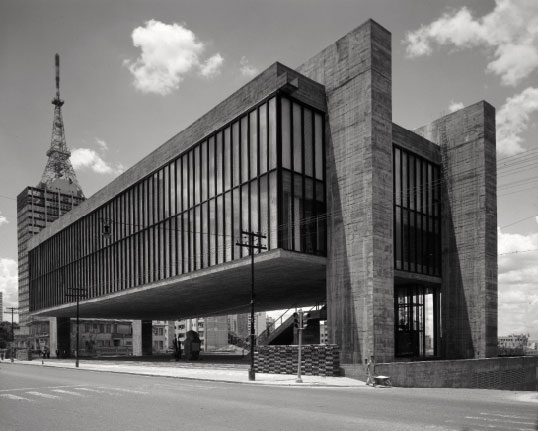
pixel 396 230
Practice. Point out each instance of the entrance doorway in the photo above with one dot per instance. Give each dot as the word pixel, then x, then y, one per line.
pixel 417 321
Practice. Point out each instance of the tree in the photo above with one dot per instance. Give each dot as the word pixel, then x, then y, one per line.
pixel 6 333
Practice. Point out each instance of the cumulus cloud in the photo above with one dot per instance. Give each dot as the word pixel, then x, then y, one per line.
pixel 509 33
pixel 246 68
pixel 3 220
pixel 168 53
pixel 8 282
pixel 211 67
pixel 86 158
pixel 518 283
pixel 513 119
pixel 455 106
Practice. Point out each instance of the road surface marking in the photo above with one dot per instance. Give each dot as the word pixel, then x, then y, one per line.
pixel 61 391
pixel 14 397
pixel 40 394
pixel 499 420
pixel 92 390
pixel 130 391
pixel 32 389
pixel 507 416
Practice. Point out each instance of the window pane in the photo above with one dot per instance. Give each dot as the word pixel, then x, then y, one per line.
pixel 254 212
pixel 196 174
pixel 298 212
pixel 397 176
pixel 411 168
pixel 211 169
pixel 286 133
pixel 228 226
pixel 219 162
pixel 220 229
pixel 318 137
pixel 227 158
pixel 287 211
pixel 273 212
pixel 203 156
pixel 263 138
pixel 272 133
pixel 264 209
pixel 173 182
pixel 253 143
pixel 236 222
pixel 398 237
pixel 185 183
pixel 166 194
pixel 244 149
pixel 297 139
pixel 235 154
pixel 212 233
pixel 308 143
pixel 244 214
pixel 205 236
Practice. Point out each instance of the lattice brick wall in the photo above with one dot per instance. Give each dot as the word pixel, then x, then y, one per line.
pixel 316 360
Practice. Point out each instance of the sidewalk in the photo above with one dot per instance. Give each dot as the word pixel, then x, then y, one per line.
pixel 192 371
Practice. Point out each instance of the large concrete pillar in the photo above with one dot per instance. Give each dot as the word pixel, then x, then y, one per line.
pixel 142 337
pixel 468 229
pixel 356 72
pixel 60 335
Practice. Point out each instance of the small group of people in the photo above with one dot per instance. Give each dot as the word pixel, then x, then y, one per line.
pixel 45 353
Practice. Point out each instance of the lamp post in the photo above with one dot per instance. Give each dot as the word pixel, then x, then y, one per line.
pixel 251 246
pixel 77 293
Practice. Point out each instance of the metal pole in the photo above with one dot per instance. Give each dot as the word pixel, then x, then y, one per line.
pixel 300 329
pixel 251 372
pixel 76 353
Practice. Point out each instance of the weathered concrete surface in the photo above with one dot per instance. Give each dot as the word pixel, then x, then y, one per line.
pixel 511 373
pixel 468 230
pixel 356 73
pixel 281 278
pixel 60 335
pixel 142 337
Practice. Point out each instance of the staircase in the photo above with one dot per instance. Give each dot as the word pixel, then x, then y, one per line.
pixel 282 329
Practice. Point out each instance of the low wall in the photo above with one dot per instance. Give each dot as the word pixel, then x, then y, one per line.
pixel 509 373
pixel 316 360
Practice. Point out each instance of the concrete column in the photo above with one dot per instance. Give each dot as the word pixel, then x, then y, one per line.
pixel 59 335
pixel 142 337
pixel 468 229
pixel 356 72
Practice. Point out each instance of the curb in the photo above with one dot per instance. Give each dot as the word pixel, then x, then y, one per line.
pixel 141 373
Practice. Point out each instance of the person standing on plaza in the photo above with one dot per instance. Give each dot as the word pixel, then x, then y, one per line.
pixel 370 370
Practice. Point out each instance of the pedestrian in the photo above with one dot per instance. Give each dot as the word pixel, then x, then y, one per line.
pixel 370 371
pixel 57 354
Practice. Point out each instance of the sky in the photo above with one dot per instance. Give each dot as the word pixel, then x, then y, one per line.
pixel 134 73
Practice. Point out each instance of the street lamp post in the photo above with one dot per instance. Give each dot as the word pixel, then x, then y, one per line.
pixel 77 292
pixel 251 246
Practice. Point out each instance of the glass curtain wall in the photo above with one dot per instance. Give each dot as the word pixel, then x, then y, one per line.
pixel 262 172
pixel 417 214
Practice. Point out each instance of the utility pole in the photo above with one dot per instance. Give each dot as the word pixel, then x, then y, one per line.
pixel 12 310
pixel 251 246
pixel 77 293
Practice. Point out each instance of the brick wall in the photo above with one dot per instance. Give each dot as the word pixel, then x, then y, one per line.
pixel 316 360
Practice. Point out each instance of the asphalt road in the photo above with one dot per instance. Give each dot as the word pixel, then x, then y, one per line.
pixel 49 399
